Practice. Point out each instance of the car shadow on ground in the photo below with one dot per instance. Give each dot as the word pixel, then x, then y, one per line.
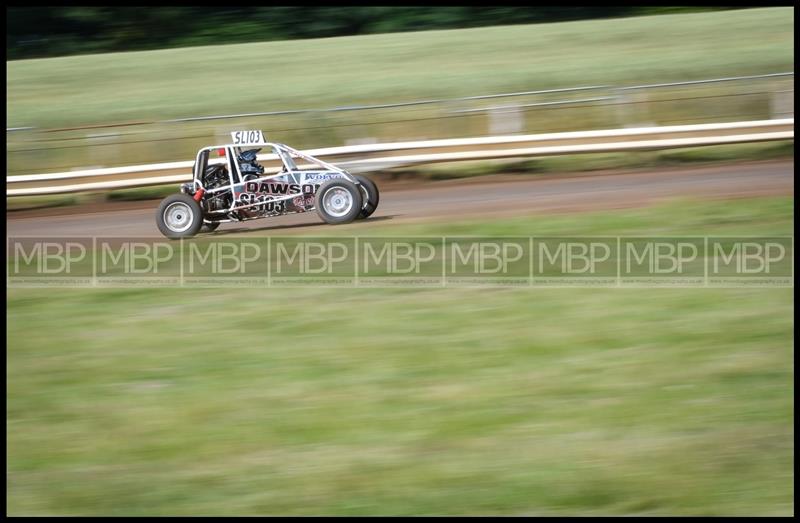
pixel 224 231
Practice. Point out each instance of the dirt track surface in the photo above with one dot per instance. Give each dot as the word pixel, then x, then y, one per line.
pixel 503 195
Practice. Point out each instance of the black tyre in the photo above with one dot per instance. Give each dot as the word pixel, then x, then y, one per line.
pixel 338 201
pixel 370 196
pixel 179 216
pixel 209 227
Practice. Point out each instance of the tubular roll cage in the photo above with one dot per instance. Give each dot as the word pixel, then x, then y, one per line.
pixel 284 153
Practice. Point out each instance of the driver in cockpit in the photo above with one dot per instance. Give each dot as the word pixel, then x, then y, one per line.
pixel 248 166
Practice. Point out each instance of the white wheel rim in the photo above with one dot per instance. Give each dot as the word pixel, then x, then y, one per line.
pixel 178 217
pixel 337 201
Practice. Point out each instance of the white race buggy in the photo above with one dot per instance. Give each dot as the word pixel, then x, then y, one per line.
pixel 235 188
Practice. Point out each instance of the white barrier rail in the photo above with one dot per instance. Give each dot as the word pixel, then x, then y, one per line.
pixel 372 156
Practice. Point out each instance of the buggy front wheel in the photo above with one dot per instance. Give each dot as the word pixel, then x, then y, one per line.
pixel 179 216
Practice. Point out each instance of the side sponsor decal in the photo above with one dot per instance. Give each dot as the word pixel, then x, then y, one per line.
pixel 266 192
pixel 320 177
pixel 279 188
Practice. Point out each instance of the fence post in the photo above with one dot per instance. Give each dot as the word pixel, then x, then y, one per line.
pixel 505 120
pixel 623 108
pixel 782 104
pixel 102 148
pixel 632 108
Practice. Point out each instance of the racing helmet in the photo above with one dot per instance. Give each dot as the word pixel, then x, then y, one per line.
pixel 248 156
pixel 247 163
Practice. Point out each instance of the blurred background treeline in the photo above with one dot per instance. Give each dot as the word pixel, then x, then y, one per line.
pixel 38 32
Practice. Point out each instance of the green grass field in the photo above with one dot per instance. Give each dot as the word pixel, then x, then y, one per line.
pixel 414 401
pixel 395 67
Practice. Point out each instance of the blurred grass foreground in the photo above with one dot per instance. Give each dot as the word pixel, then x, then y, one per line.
pixel 416 401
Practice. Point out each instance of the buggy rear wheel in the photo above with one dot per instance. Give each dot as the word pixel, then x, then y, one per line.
pixel 370 197
pixel 338 201
pixel 179 216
